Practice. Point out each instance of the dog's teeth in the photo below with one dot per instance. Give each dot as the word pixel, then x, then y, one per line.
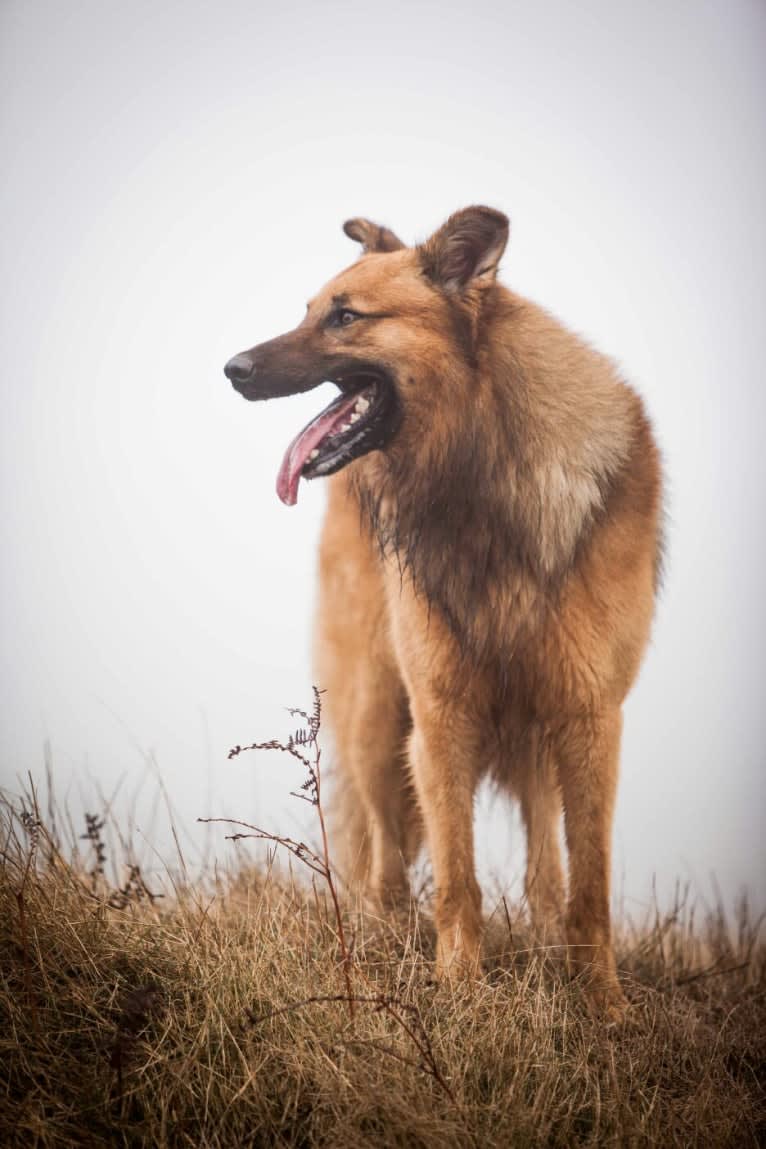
pixel 362 404
pixel 314 454
pixel 345 426
pixel 355 417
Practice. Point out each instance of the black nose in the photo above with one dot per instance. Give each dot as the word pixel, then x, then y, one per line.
pixel 239 369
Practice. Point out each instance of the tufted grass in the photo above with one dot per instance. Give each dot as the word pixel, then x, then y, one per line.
pixel 218 1014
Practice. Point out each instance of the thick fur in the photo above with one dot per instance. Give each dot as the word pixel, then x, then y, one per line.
pixel 487 584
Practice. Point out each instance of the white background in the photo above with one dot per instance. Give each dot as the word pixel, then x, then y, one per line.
pixel 174 177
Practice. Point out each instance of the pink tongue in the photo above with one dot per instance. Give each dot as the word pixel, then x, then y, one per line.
pixel 296 455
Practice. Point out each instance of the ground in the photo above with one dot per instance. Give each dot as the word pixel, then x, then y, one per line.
pixel 224 1014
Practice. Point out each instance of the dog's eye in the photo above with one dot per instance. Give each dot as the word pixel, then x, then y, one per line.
pixel 342 317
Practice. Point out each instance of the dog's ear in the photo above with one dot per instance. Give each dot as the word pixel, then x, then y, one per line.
pixel 466 249
pixel 372 236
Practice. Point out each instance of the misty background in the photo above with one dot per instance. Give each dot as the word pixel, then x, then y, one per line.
pixel 174 177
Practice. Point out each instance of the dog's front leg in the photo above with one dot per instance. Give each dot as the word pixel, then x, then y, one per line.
pixel 445 782
pixel 536 784
pixel 444 757
pixel 588 762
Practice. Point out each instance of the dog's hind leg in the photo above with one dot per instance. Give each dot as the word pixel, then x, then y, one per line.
pixel 378 764
pixel 375 813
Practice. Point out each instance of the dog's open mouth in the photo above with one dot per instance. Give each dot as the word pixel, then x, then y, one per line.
pixel 363 418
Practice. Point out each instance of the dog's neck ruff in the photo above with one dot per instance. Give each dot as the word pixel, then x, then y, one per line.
pixel 474 514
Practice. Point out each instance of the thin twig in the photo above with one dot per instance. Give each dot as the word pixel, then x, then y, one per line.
pixel 711 971
pixel 303 745
pixel 299 849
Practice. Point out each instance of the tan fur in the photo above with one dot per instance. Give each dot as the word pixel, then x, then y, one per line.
pixel 486 588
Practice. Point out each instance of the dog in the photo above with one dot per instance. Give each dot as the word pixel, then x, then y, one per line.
pixel 488 566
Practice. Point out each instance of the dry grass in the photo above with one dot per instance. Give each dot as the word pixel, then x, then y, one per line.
pixel 219 1015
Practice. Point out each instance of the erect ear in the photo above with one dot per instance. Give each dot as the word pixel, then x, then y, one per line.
pixel 372 236
pixel 467 247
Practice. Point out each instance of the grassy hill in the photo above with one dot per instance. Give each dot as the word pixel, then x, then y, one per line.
pixel 223 1013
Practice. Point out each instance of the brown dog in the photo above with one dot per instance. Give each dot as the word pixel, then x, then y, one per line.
pixel 488 570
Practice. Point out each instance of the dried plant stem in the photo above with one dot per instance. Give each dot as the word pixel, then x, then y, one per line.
pixel 344 951
pixel 311 791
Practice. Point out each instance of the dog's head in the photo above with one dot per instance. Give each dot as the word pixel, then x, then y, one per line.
pixel 388 331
